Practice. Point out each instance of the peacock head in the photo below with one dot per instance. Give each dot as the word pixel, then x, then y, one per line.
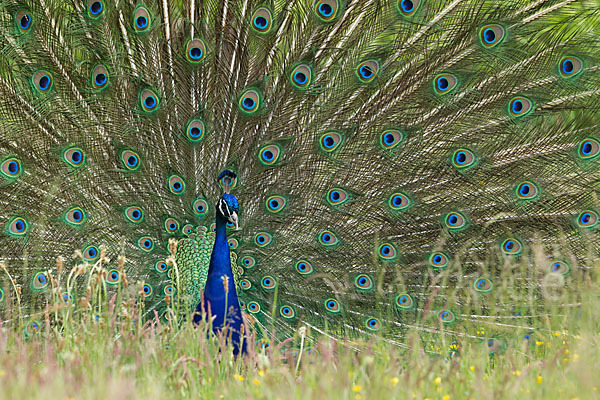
pixel 228 208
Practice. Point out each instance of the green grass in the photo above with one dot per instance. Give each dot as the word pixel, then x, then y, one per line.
pixel 119 359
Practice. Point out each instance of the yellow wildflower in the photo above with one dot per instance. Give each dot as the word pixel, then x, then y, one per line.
pixel 256 382
pixel 472 368
pixel 539 379
pixel 557 334
pixel 446 397
pixel 394 381
pixel 566 351
pixel 239 377
pixel 517 373
pixel 261 373
pixel 575 357
pixel 438 380
pixel 538 343
pixel 2 372
pixel 356 388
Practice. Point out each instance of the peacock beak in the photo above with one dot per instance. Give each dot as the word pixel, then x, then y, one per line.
pixel 233 218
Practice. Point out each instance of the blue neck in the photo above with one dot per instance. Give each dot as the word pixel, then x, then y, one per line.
pixel 217 298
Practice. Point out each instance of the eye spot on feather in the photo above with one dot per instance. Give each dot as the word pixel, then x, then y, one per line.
pixel 1 295
pixel 287 312
pixel 194 131
pixel 275 204
pixel 263 239
pixel 587 219
pixel 23 21
pixel 113 277
pixel 301 76
pixel 387 252
pixel 588 149
pixel 491 35
pixel 372 324
pixel 39 282
pixel 446 317
pixel 444 83
pixel 17 227
pixel 332 306
pixel 268 282
pixel 176 185
pixel 560 267
pixel 463 158
pixel 248 262
pixel 245 284
pixel 304 267
pixel 367 71
pixel 95 9
pixel 269 155
pixel 439 260
pixel 250 101
pixel 327 10
pixel 483 285
pixel 328 239
pixel 520 106
pixel 134 214
pixel 330 141
pixel 75 216
pixel 11 168
pixel 74 157
pixel 262 20
pixel 147 291
pixel 253 307
pixel 149 101
pixel 90 253
pixel 363 283
pixel 404 302
pixel 511 246
pixel 408 8
pixel 42 81
pixel 391 138
pixel 195 51
pixel 455 221
pixel 146 243
pixel 100 77
pixel 527 191
pixel 160 267
pixel 570 66
pixel 141 20
pixel 200 207
pixel 171 225
pixel 169 290
pixel 399 202
pixel 130 160
pixel 32 328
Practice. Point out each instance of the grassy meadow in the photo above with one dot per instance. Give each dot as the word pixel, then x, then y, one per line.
pixel 102 356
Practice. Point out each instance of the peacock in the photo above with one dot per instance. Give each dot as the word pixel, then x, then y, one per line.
pixel 353 169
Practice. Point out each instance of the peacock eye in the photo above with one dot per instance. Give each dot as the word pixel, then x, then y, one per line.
pixel 75 216
pixel 587 219
pixel 399 202
pixel 269 155
pixel 99 77
pixel 391 138
pixel 195 51
pixel 455 221
pixel 520 106
pixel 194 131
pixel 149 101
pixel 287 312
pixel 367 71
pixel 444 83
pixel 404 302
pixel 263 239
pixel 262 20
pixel 570 66
pixel 141 20
pixel 327 10
pixel 95 9
pixel 463 158
pixel 491 35
pixel 176 185
pixel 446 317
pixel 250 101
pixel 42 81
pixel 301 76
pixel 11 168
pixel 511 246
pixel 23 21
pixel 363 283
pixel 439 260
pixel 588 149
pixel 408 8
